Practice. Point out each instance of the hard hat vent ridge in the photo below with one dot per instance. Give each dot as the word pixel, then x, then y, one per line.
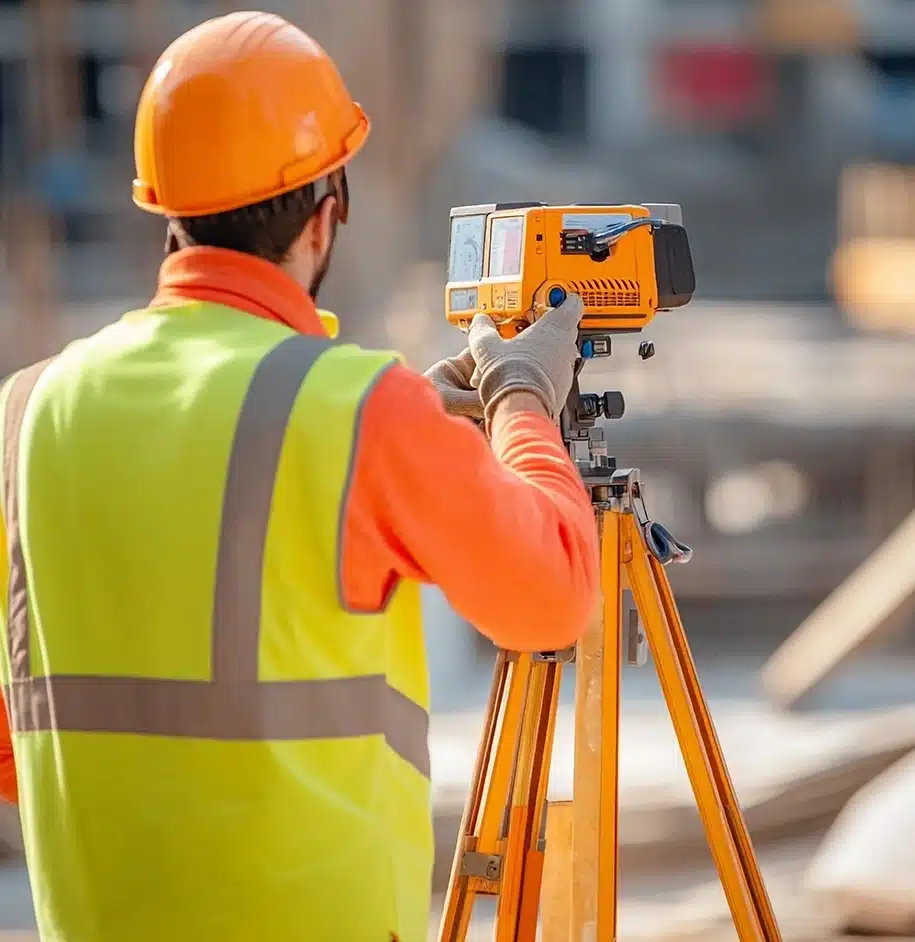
pixel 240 109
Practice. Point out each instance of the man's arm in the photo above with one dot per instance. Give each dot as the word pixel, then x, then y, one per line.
pixel 506 532
pixel 8 791
pixel 8 788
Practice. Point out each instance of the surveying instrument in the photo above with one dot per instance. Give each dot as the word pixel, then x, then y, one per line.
pixel 626 263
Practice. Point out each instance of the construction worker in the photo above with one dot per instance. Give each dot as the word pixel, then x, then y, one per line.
pixel 216 521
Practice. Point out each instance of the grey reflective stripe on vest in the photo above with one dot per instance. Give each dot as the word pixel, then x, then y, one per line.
pixel 17 611
pixel 233 704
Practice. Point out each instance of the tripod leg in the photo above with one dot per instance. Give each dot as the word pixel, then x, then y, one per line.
pixel 519 896
pixel 597 696
pixel 477 861
pixel 714 751
pixel 688 726
pixel 608 871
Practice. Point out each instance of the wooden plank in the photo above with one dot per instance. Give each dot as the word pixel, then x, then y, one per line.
pixel 876 201
pixel 874 283
pixel 809 26
pixel 792 772
pixel 845 620
pixel 556 895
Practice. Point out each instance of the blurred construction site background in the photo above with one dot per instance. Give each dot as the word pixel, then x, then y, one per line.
pixel 775 428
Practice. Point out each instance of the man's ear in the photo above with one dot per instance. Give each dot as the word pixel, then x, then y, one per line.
pixel 324 223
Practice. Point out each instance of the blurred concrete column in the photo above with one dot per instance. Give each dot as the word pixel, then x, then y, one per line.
pixel 885 25
pixel 27 235
pixel 55 137
pixel 420 68
pixel 621 69
pixel 53 80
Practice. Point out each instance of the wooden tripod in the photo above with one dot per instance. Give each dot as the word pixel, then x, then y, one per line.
pixel 501 846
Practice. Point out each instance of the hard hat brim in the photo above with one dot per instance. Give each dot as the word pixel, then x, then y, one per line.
pixel 354 143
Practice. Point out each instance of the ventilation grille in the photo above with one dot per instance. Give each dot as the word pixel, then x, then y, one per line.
pixel 606 292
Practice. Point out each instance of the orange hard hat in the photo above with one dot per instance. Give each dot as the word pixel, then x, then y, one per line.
pixel 238 110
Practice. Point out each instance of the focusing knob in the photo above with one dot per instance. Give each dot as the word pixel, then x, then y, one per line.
pixel 613 405
pixel 556 296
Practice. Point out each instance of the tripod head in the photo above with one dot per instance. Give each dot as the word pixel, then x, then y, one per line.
pixel 578 420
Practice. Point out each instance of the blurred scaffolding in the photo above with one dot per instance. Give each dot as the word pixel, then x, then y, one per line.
pixel 777 418
pixel 70 75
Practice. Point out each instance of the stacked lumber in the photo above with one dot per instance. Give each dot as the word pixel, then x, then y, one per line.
pixel 793 775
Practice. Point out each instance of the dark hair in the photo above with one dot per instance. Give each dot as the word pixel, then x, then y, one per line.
pixel 267 229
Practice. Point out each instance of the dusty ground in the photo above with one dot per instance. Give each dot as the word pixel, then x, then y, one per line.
pixel 680 905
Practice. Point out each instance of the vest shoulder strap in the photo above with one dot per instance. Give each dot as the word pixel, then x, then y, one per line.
pixel 22 385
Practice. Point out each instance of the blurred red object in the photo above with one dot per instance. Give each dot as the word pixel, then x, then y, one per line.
pixel 714 84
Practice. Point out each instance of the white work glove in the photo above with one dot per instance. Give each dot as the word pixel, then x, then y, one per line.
pixel 451 377
pixel 540 360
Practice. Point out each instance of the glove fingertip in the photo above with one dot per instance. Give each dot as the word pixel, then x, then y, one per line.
pixel 482 322
pixel 573 309
pixel 483 336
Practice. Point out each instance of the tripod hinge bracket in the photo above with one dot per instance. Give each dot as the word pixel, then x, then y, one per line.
pixel 484 866
pixel 565 656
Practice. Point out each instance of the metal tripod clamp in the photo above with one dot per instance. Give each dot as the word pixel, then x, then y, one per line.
pixel 626 489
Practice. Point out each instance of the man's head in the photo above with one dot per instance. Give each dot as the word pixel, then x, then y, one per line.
pixel 243 132
pixel 294 230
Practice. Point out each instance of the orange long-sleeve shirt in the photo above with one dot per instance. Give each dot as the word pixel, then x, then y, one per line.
pixel 505 529
pixel 8 789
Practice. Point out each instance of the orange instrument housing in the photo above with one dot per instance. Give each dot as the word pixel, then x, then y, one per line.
pixel 514 261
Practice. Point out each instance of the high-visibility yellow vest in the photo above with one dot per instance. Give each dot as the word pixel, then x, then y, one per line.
pixel 209 746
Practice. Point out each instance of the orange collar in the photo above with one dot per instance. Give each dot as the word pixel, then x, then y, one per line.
pixel 240 281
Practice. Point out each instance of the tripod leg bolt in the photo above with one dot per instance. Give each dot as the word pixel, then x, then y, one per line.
pixel 636 642
pixel 486 866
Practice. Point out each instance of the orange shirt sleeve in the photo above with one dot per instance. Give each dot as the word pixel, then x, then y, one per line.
pixel 506 529
pixel 8 788
pixel 8 791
